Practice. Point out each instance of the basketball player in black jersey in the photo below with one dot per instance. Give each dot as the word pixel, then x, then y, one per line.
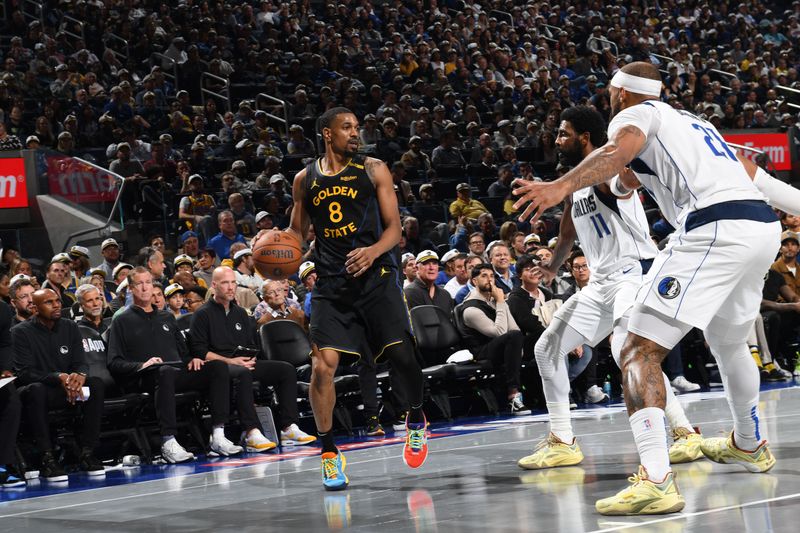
pixel 358 298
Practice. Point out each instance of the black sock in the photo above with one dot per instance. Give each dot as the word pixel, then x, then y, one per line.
pixel 415 415
pixel 327 442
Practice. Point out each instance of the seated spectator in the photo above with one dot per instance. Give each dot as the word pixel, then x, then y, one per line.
pixel 500 258
pixel 153 260
pixel 464 205
pixel 446 154
pixel 503 136
pixel 197 209
pixel 415 157
pixel 408 262
pixel 205 265
pixel 447 271
pixel 244 267
pixel 264 221
pixel 20 292
pixel 401 187
pixel 460 274
pixel 308 277
pixel 120 272
pixel 218 328
pixel 298 143
pixel 194 297
pixel 245 222
pixel 143 336
pixel 786 264
pixel 423 290
pixel 56 379
pixel 93 308
pixel 175 300
pixel 501 187
pixel 56 275
pixel 275 305
pixel 415 243
pixel 491 333
pixel 222 241
pixel 527 297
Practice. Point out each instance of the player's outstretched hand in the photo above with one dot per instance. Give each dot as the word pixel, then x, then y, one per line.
pixel 359 260
pixel 547 273
pixel 539 195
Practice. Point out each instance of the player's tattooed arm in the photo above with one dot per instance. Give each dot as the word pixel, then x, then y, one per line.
pixel 608 160
pixel 372 166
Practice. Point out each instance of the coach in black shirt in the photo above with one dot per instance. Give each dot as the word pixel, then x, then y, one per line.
pixel 217 329
pixel 51 366
pixel 10 406
pixel 141 339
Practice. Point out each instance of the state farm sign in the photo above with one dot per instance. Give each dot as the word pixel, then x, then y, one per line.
pixel 13 189
pixel 775 145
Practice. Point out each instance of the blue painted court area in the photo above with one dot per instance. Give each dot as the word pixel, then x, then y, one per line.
pixel 470 483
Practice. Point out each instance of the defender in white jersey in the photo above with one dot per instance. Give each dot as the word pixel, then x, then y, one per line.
pixel 615 239
pixel 709 276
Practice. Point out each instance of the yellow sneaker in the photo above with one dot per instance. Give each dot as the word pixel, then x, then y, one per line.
pixel 552 452
pixel 723 450
pixel 643 497
pixel 685 446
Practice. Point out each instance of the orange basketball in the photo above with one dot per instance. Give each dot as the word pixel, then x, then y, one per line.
pixel 277 255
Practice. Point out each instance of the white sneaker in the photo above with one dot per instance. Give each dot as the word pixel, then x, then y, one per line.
pixel 517 406
pixel 295 435
pixel 256 442
pixel 595 394
pixel 173 452
pixel 222 446
pixel 684 385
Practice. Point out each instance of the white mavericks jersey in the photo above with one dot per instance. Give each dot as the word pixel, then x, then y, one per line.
pixel 685 163
pixel 613 232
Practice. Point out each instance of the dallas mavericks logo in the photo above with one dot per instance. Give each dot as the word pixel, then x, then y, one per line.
pixel 669 287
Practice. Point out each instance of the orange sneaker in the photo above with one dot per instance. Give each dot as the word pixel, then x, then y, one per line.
pixel 415 450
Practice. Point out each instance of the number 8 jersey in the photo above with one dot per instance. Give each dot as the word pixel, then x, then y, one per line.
pixel 685 163
pixel 344 210
pixel 613 232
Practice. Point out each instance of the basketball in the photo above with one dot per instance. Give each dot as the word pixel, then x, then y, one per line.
pixel 277 255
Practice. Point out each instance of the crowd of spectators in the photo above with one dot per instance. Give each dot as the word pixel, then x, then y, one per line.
pixel 458 97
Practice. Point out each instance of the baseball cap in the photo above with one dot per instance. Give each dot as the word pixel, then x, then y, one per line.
pixel 173 289
pixel 17 278
pixel 405 258
pixel 120 267
pixel 242 253
pixel 183 259
pixel 450 255
pixel 238 164
pixel 63 257
pixel 785 236
pixel 260 215
pixel 552 242
pixel 531 239
pixel 463 187
pixel 427 255
pixel 186 235
pixel 306 269
pixel 276 178
pixel 425 187
pixel 195 177
pixel 32 138
pixel 98 272
pixel 79 251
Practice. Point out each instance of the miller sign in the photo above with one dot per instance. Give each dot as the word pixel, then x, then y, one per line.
pixel 13 188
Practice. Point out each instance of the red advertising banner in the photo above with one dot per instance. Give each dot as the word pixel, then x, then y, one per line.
pixel 775 145
pixel 13 188
pixel 79 182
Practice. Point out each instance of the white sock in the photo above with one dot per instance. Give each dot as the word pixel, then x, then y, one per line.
pixel 674 410
pixel 560 421
pixel 218 433
pixel 556 394
pixel 650 435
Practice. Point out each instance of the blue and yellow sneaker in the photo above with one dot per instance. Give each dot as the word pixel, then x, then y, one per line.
pixel 415 450
pixel 333 476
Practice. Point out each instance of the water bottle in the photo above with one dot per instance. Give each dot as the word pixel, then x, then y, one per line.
pixel 607 387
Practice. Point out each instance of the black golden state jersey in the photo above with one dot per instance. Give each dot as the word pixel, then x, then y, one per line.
pixel 344 210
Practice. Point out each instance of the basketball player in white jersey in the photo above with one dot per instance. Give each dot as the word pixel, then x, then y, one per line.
pixel 615 238
pixel 709 276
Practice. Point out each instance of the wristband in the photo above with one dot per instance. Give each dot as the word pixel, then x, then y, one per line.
pixel 617 189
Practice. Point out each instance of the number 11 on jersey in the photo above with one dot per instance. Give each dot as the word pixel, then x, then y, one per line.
pixel 600 225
